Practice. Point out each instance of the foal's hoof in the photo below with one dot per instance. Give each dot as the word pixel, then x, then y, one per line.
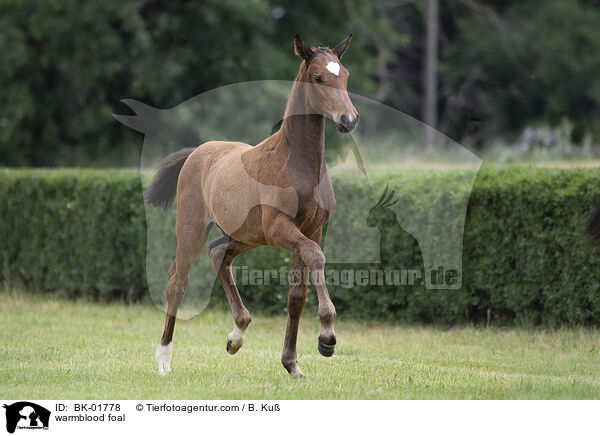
pixel 235 340
pixel 325 349
pixel 293 369
pixel 296 373
pixel 231 349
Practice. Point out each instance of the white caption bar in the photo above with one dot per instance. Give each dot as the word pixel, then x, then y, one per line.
pixel 161 417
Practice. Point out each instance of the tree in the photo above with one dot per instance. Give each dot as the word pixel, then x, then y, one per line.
pixel 528 62
pixel 66 65
pixel 430 77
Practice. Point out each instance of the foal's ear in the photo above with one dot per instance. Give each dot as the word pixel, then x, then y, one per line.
pixel 301 49
pixel 342 46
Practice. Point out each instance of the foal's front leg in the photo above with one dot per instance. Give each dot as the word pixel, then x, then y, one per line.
pixel 326 309
pixel 296 300
pixel 284 233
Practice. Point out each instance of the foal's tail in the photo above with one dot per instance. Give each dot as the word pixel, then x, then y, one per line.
pixel 594 226
pixel 164 186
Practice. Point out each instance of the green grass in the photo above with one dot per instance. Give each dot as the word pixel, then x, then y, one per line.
pixel 54 348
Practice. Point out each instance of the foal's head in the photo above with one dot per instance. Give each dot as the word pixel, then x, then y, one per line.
pixel 329 93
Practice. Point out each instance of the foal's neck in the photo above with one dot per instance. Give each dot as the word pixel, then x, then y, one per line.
pixel 303 132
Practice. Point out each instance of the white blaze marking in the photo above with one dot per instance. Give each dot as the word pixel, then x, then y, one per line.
pixel 333 68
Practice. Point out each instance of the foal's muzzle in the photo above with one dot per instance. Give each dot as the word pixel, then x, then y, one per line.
pixel 347 123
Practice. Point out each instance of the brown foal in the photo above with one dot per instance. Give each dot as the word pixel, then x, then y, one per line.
pixel 276 193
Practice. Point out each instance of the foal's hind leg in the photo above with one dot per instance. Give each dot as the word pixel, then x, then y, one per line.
pixel 296 300
pixel 222 251
pixel 189 245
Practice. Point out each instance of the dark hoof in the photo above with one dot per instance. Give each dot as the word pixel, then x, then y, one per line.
pixel 326 350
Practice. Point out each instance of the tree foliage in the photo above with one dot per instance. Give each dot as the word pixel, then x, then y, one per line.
pixel 65 65
pixel 528 63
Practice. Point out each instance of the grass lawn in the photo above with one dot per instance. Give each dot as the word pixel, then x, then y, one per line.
pixel 57 349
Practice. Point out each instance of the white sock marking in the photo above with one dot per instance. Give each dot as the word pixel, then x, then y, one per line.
pixel 164 353
pixel 236 335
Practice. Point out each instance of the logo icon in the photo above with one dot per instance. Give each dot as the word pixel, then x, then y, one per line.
pixel 26 415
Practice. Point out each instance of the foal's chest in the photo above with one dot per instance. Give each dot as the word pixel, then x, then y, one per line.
pixel 315 206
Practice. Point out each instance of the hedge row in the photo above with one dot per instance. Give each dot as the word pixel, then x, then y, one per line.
pixel 526 256
pixel 77 231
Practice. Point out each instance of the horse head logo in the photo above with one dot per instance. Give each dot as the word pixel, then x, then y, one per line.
pixel 24 414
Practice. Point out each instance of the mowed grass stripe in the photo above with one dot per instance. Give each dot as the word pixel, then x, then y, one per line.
pixel 53 348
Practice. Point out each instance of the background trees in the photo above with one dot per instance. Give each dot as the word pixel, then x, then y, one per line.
pixel 503 65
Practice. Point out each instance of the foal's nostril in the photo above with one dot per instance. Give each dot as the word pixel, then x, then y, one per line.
pixel 348 123
pixel 344 120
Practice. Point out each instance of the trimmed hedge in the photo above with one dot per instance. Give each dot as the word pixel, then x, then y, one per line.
pixel 526 257
pixel 81 232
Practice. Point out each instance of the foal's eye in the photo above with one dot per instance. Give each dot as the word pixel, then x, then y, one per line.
pixel 318 79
